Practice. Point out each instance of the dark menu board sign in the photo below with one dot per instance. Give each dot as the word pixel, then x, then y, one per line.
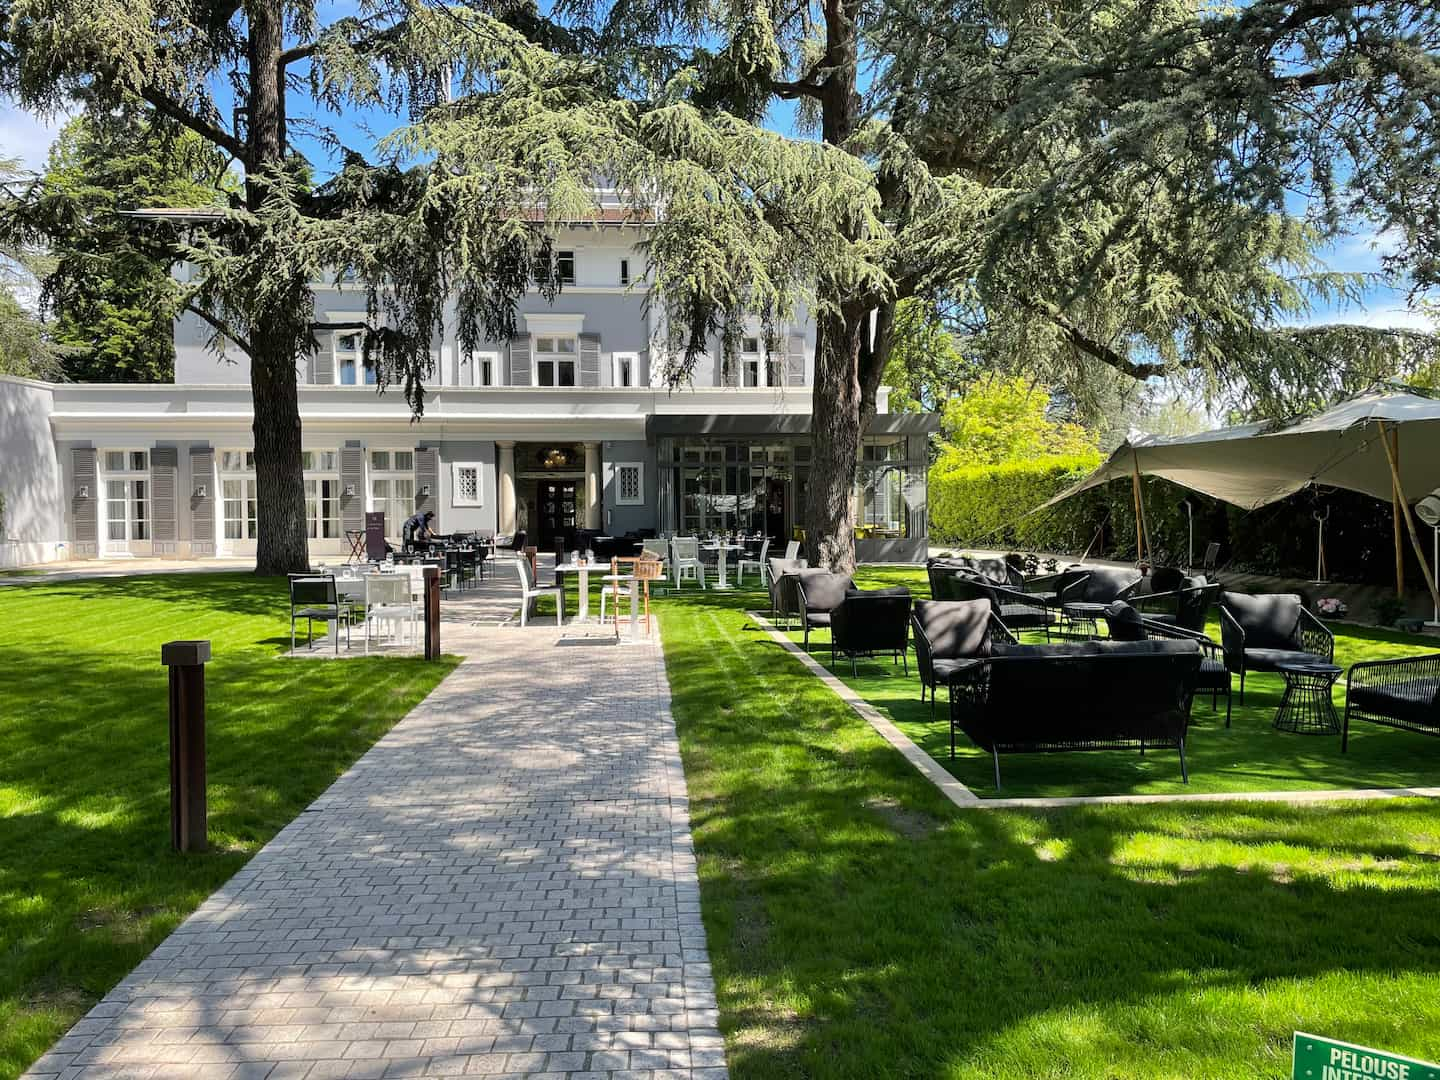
pixel 375 535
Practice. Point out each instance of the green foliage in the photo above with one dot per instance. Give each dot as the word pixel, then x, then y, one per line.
pixel 1388 610
pixel 986 505
pixel 111 288
pixel 27 347
pixel 926 367
pixel 1003 420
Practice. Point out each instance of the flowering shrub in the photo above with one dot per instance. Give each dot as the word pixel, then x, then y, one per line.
pixel 1331 605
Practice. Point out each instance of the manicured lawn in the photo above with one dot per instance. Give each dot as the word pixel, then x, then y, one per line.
pixel 1250 756
pixel 88 884
pixel 862 926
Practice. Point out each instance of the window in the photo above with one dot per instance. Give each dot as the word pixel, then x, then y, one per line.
pixel 624 368
pixel 630 484
pixel 237 461
pixel 752 362
pixel 555 361
pixel 127 496
pixel 624 271
pixel 392 486
pixel 476 368
pixel 322 493
pixel 350 361
pixel 237 494
pixel 565 267
pixel 465 489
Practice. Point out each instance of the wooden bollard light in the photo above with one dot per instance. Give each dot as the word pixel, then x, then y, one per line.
pixel 186 661
pixel 432 613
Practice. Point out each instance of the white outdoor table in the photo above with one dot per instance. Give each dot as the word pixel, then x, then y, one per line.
pixel 584 570
pixel 723 581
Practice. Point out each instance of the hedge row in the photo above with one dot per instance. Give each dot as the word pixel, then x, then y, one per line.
pixel 985 505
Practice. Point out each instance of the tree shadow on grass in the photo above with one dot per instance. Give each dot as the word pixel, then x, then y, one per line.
pixel 1175 940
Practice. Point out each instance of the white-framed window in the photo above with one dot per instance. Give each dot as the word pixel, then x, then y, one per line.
pixel 624 271
pixel 322 493
pixel 625 368
pixel 629 483
pixel 477 368
pixel 392 486
pixel 127 496
pixel 350 369
pixel 565 267
pixel 752 362
pixel 466 486
pixel 555 360
pixel 237 494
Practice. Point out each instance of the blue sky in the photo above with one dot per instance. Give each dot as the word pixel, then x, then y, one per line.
pixel 28 138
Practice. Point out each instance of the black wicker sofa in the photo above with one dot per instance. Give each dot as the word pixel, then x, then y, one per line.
pixel 1094 695
pixel 1403 693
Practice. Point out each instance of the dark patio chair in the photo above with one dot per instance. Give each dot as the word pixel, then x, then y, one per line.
pixel 1127 623
pixel 869 622
pixel 1402 693
pixel 1017 610
pixel 783 598
pixel 1188 605
pixel 952 639
pixel 1260 633
pixel 313 596
pixel 820 592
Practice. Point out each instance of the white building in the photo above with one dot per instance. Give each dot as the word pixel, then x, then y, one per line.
pixel 562 428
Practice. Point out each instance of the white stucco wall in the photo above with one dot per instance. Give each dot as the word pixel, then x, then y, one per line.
pixel 30 475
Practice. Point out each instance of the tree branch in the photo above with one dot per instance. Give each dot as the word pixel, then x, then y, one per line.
pixel 220 327
pixel 168 106
pixel 1096 349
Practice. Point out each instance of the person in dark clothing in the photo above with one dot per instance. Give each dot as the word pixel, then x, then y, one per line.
pixel 416 531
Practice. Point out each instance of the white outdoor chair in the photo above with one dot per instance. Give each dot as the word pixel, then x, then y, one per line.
pixel 530 590
pixel 792 549
pixel 388 600
pixel 685 558
pixel 758 563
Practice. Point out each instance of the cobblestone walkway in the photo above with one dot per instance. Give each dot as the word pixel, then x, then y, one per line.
pixel 503 885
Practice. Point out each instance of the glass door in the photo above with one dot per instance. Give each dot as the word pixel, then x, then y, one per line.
pixel 127 502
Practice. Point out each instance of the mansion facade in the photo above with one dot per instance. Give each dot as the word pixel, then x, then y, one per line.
pixel 567 426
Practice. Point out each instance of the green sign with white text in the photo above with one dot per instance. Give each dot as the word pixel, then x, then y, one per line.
pixel 1318 1058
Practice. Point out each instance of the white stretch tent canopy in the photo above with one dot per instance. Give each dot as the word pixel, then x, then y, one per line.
pixel 1255 464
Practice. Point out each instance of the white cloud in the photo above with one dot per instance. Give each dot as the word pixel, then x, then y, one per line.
pixel 26 136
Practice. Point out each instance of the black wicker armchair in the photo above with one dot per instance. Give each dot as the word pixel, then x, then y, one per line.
pixel 1129 624
pixel 819 593
pixel 1017 610
pixel 784 598
pixel 1186 606
pixel 1095 695
pixel 1402 693
pixel 869 622
pixel 952 639
pixel 1262 632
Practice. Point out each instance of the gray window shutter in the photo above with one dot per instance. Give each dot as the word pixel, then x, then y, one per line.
pixel 795 360
pixel 202 507
pixel 352 479
pixel 589 359
pixel 322 362
pixel 164 477
pixel 519 365
pixel 85 502
pixel 427 474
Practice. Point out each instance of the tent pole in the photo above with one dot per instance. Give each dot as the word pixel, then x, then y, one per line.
pixel 1139 510
pixel 1392 452
pixel 1394 459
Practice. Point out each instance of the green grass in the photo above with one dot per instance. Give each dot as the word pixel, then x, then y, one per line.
pixel 862 926
pixel 1250 756
pixel 88 884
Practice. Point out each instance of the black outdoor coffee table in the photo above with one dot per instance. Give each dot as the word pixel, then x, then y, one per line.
pixel 1080 621
pixel 1306 707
